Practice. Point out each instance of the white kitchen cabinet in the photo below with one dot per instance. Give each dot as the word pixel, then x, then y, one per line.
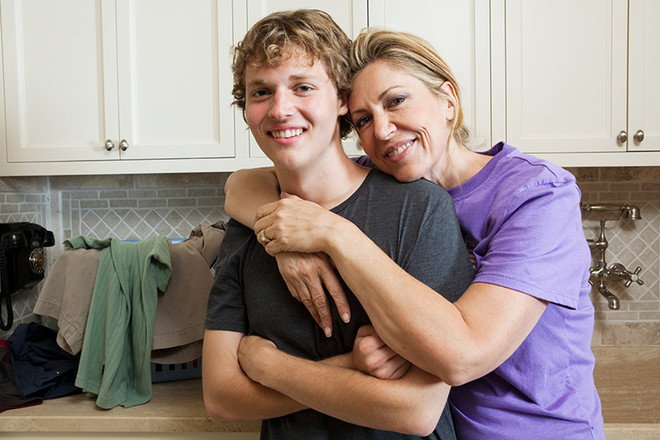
pixel 60 101
pixel 644 71
pixel 116 86
pixel 127 86
pixel 459 31
pixel 556 78
pixel 574 81
pixel 350 15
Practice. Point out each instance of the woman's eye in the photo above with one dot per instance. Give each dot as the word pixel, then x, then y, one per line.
pixel 396 101
pixel 364 120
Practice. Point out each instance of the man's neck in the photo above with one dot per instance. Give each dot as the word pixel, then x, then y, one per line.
pixel 328 183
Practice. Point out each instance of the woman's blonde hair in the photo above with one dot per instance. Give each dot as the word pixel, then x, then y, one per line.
pixel 278 36
pixel 417 57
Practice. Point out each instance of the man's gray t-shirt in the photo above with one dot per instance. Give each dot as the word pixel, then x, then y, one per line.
pixel 414 223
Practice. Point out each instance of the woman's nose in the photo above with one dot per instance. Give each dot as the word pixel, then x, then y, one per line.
pixel 281 107
pixel 383 127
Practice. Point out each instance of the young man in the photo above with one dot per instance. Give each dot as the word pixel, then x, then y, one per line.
pixel 290 79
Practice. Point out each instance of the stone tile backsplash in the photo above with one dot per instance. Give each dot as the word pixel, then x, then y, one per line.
pixel 631 243
pixel 127 207
pixel 136 207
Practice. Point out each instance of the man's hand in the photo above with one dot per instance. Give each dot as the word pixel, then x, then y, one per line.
pixel 254 355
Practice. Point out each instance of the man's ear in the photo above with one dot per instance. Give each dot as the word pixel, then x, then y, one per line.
pixel 343 104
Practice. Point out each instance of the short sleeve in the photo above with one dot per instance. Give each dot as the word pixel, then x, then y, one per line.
pixel 539 247
pixel 226 305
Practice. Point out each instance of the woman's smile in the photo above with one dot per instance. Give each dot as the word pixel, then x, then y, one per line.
pixel 397 151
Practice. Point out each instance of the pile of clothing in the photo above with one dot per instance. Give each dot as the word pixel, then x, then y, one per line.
pixel 122 305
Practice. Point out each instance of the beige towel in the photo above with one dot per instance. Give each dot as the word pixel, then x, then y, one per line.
pixel 67 294
pixel 181 311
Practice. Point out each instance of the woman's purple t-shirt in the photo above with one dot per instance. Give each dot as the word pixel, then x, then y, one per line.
pixel 521 220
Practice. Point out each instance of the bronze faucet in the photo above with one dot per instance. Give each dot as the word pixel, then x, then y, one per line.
pixel 600 273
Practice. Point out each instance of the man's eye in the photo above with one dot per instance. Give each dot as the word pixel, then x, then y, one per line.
pixel 259 93
pixel 304 89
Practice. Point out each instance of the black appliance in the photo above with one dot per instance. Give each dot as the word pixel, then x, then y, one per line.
pixel 22 261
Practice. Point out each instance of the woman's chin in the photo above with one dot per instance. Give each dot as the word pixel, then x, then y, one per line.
pixel 404 175
pixel 400 171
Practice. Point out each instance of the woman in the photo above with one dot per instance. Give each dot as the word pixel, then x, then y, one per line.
pixel 517 345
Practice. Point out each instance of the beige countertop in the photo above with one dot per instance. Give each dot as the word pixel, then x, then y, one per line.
pixel 174 407
pixel 628 380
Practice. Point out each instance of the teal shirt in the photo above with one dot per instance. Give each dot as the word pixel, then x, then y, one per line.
pixel 115 361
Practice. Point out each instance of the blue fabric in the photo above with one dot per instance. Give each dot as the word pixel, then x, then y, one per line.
pixel 42 368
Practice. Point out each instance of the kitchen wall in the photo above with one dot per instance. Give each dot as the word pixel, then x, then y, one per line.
pixel 130 207
pixel 632 243
pixel 142 206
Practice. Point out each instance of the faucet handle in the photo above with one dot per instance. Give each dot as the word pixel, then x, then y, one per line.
pixel 633 277
pixel 618 271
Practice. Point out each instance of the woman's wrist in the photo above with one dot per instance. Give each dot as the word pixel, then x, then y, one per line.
pixel 247 190
pixel 341 235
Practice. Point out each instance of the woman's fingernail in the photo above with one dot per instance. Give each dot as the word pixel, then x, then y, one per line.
pixel 328 332
pixel 345 318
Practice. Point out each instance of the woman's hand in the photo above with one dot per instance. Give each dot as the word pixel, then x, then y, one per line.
pixel 373 357
pixel 305 275
pixel 295 225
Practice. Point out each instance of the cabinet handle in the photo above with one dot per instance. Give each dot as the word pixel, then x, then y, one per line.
pixel 639 136
pixel 123 145
pixel 109 145
pixel 622 137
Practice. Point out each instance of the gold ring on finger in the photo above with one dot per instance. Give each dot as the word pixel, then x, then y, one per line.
pixel 263 238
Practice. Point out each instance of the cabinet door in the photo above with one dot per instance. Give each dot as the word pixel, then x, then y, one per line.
pixel 644 65
pixel 175 79
pixel 59 79
pixel 566 76
pixel 459 32
pixel 350 15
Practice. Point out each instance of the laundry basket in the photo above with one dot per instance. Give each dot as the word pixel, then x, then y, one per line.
pixel 172 372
